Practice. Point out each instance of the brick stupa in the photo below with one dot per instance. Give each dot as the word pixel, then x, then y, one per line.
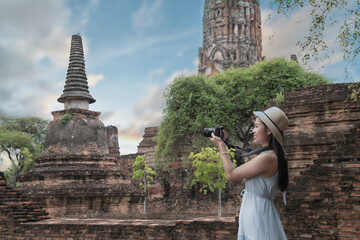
pixel 77 173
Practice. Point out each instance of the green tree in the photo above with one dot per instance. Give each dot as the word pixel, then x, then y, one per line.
pixel 209 172
pixel 228 99
pixel 22 139
pixel 191 105
pixel 340 16
pixel 248 89
pixel 144 174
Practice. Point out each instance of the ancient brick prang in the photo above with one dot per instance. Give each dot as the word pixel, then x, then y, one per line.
pixel 231 35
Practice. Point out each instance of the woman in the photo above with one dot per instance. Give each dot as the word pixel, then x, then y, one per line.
pixel 264 176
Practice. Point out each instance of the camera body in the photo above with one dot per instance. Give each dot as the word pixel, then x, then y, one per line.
pixel 218 131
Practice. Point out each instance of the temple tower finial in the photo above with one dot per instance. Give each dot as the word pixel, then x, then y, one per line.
pixel 76 91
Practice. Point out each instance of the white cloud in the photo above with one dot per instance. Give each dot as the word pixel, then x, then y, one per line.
pixel 179 53
pixel 148 111
pixel 86 10
pixel 128 145
pixel 94 79
pixel 196 64
pixel 281 34
pixel 46 104
pixel 148 15
pixel 111 118
pixel 35 29
pixel 185 72
pixel 152 75
pixel 34 51
pixel 137 44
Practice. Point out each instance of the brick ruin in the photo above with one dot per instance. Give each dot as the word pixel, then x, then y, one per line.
pixel 322 200
pixel 324 152
pixel 323 148
pixel 81 187
pixel 231 35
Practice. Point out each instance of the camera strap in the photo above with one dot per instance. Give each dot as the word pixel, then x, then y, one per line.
pixel 248 150
pixel 230 145
pixel 257 151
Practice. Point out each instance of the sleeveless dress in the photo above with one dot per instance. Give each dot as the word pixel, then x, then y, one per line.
pixel 258 218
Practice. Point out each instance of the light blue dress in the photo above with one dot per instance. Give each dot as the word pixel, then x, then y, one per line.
pixel 258 218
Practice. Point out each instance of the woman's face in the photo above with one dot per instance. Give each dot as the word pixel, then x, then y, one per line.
pixel 261 133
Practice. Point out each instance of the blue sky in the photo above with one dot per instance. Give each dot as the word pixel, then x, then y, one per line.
pixel 133 51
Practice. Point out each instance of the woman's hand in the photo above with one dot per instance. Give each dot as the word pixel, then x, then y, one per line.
pixel 218 141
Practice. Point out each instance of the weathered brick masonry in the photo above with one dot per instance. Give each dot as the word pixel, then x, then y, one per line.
pixel 323 148
pixel 231 35
pixel 21 218
pixel 324 152
pixel 323 196
pixel 16 209
pixel 81 229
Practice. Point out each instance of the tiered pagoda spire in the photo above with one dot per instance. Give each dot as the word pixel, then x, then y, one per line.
pixel 76 91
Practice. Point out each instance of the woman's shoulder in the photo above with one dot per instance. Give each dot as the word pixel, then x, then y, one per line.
pixel 267 156
pixel 270 163
pixel 263 156
pixel 261 164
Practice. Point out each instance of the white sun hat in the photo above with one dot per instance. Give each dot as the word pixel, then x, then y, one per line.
pixel 276 120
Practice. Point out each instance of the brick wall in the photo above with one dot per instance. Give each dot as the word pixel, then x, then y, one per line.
pixel 324 152
pixel 79 229
pixel 323 202
pixel 320 118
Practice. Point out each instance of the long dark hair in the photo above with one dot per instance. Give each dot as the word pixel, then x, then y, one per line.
pixel 282 163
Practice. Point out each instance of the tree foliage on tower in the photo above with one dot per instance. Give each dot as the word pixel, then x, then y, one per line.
pixel 228 99
pixel 339 16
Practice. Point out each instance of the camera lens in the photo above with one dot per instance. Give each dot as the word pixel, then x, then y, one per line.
pixel 208 131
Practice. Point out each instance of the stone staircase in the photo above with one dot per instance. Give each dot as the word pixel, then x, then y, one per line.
pixel 15 207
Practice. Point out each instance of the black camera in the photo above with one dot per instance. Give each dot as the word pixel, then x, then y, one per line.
pixel 218 131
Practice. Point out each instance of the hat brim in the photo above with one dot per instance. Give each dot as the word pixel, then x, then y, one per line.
pixel 273 128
